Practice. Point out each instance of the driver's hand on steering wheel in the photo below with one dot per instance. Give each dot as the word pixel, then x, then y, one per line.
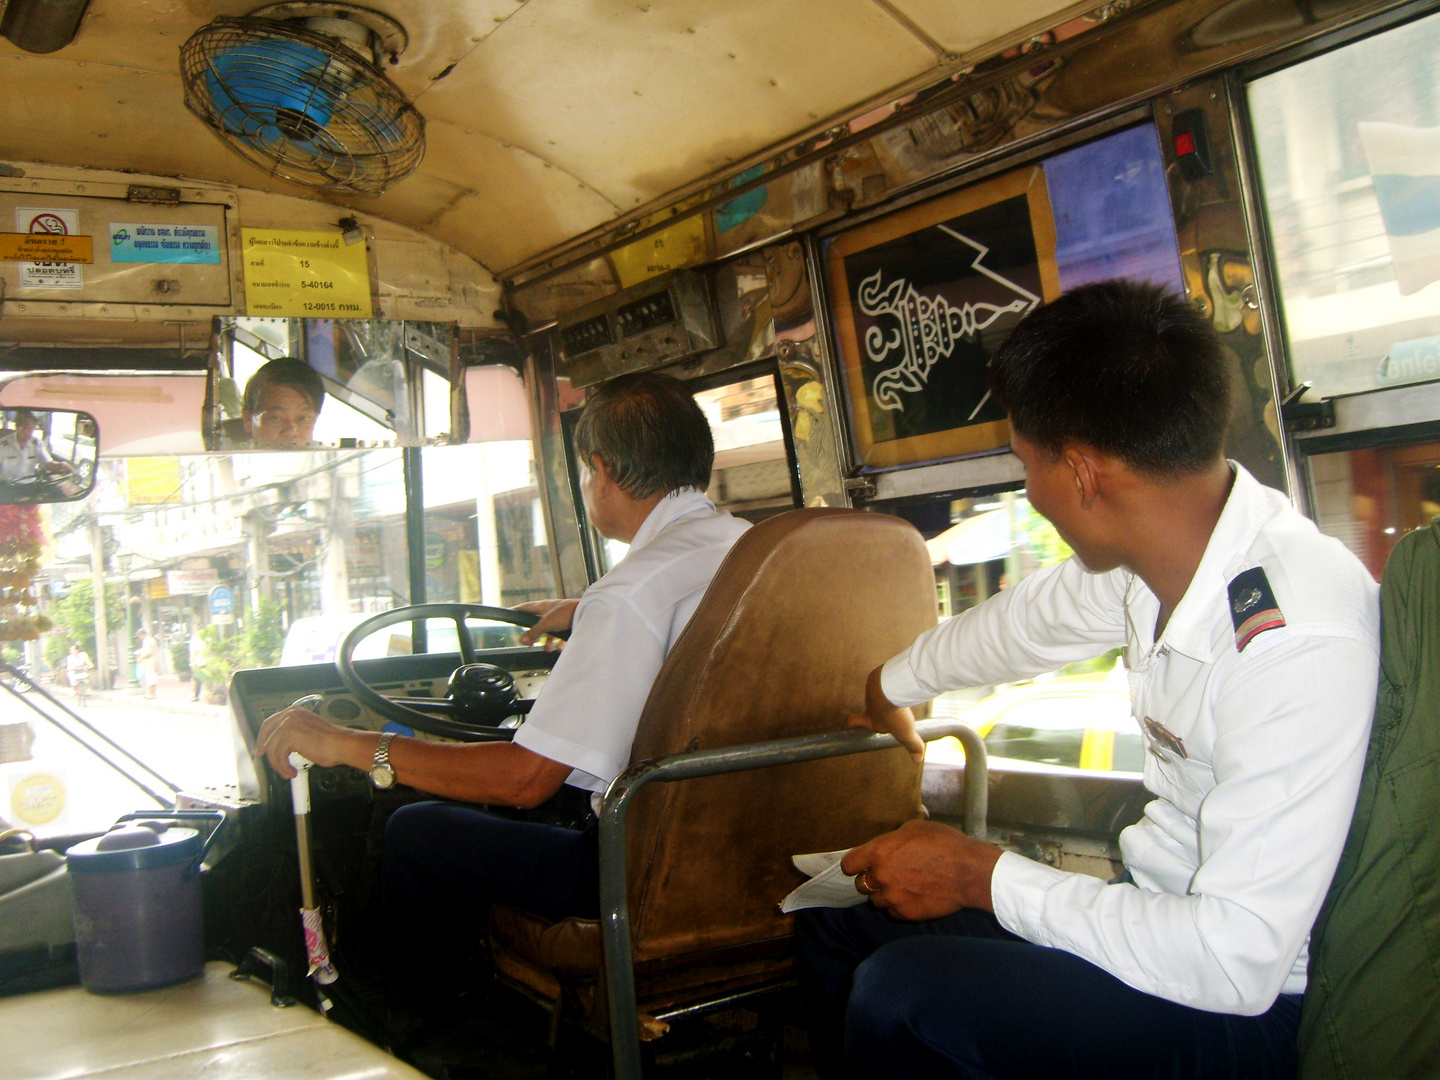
pixel 555 615
pixel 301 731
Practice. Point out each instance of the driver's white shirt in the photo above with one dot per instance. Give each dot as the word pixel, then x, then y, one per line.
pixel 1257 782
pixel 20 461
pixel 587 712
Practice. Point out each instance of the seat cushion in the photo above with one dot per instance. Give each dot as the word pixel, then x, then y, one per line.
pixel 542 956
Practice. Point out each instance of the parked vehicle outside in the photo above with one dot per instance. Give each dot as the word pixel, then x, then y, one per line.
pixel 1067 723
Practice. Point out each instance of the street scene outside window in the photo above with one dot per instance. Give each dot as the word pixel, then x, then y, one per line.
pixel 1077 718
pixel 1345 143
pixel 212 563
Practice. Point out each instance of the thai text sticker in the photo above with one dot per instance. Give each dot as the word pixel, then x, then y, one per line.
pixel 137 242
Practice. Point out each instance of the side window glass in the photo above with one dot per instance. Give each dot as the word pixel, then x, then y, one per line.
pixel 485 538
pixel 1129 753
pixel 1346 145
pixel 1368 499
pixel 752 470
pixel 1044 747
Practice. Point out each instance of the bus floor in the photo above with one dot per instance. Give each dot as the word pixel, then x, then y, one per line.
pixel 501 1035
pixel 229 1030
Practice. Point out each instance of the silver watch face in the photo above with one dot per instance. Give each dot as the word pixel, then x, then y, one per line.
pixel 382 776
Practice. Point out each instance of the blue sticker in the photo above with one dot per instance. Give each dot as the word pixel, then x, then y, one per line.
pixel 133 242
pixel 1409 361
pixel 733 214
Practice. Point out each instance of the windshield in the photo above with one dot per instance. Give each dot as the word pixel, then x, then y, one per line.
pixel 209 563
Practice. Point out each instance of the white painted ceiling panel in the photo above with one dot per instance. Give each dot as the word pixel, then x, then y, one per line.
pixel 546 118
pixel 638 99
pixel 482 196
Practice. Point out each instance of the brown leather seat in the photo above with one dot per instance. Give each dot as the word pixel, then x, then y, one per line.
pixel 805 605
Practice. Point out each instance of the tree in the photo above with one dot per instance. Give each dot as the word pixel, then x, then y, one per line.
pixel 74 617
pixel 222 656
pixel 264 636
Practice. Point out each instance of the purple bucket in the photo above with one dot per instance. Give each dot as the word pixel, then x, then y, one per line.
pixel 137 901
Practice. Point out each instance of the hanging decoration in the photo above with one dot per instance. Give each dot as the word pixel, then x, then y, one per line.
pixel 22 539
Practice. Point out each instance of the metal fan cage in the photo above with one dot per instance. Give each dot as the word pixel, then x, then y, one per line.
pixel 301 105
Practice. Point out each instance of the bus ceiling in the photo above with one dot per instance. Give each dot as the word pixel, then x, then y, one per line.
pixel 527 135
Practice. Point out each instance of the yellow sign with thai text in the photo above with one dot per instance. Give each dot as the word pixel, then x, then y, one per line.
pixel 45 247
pixel 673 248
pixel 310 275
pixel 150 481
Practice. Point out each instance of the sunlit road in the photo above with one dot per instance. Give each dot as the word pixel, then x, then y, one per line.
pixel 187 744
pixel 192 751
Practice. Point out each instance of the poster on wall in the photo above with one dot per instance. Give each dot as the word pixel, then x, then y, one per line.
pixel 922 300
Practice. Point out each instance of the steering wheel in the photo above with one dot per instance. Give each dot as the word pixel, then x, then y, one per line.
pixel 479 695
pixel 45 476
pixel 37 487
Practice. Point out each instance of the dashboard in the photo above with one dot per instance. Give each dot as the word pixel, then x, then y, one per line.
pixel 258 693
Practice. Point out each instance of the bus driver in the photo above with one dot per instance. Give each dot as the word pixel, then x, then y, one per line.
pixel 647 451
pixel 1252 646
pixel 23 454
pixel 281 404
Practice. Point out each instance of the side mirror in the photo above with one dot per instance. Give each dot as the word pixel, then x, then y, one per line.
pixel 47 455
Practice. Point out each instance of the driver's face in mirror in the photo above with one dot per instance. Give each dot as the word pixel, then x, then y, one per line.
pixel 282 402
pixel 286 418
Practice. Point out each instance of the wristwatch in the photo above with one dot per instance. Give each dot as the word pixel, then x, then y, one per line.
pixel 382 773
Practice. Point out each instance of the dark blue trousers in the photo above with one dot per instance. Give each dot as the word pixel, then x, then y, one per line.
pixel 445 864
pixel 963 997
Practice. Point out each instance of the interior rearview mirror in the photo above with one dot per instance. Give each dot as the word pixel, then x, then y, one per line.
pixel 47 455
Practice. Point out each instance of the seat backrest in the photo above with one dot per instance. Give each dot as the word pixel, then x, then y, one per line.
pixel 803 608
pixel 1374 977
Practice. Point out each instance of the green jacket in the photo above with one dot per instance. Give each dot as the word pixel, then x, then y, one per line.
pixel 1372 1006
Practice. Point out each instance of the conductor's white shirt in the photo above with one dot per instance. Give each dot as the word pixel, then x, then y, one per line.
pixel 624 626
pixel 1258 729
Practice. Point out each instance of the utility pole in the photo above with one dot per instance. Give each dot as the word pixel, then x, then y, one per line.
pixel 126 659
pixel 97 579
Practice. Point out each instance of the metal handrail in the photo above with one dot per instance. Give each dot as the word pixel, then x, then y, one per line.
pixel 614 902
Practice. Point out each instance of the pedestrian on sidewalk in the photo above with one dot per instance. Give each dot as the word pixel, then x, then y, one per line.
pixel 78 666
pixel 197 658
pixel 148 660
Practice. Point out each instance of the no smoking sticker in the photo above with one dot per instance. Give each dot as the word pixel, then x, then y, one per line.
pixel 54 222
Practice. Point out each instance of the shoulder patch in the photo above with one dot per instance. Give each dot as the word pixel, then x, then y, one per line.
pixel 1252 606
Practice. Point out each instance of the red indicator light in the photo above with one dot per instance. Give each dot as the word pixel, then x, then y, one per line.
pixel 1184 144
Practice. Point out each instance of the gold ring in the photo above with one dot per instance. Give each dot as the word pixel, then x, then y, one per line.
pixel 862 881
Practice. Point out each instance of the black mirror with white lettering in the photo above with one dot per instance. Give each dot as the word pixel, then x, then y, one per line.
pixel 47 455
